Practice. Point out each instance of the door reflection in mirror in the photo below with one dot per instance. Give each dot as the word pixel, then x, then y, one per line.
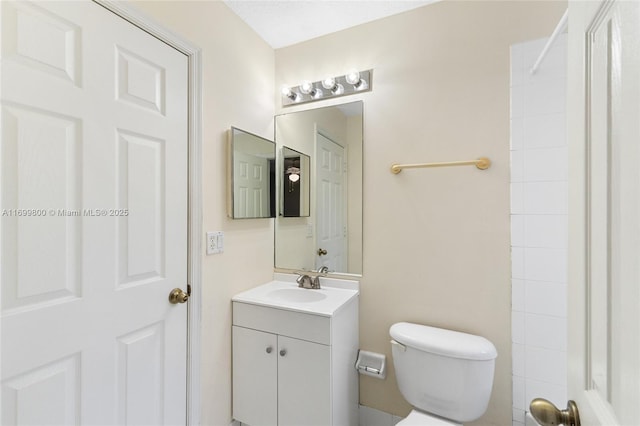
pixel 251 176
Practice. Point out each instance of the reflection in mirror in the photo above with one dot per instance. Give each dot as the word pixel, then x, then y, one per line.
pixel 295 183
pixel 251 176
pixel 331 235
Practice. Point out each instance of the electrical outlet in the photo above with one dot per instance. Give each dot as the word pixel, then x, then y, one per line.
pixel 215 242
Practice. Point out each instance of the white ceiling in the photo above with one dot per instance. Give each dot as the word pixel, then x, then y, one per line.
pixel 285 22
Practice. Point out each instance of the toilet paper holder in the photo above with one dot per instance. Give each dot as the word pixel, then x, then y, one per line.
pixel 371 364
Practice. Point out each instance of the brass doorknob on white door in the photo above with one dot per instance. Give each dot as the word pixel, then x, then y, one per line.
pixel 548 414
pixel 321 252
pixel 177 295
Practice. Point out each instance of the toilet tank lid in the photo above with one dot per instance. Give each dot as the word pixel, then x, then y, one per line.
pixel 444 342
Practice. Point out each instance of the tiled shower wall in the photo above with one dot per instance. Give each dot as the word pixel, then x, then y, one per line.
pixel 539 165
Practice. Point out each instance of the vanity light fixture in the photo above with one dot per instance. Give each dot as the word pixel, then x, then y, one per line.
pixel 349 84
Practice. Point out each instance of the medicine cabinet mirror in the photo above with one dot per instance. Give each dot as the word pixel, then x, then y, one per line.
pixel 251 176
pixel 330 234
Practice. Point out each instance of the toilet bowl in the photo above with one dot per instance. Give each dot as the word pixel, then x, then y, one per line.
pixel 446 375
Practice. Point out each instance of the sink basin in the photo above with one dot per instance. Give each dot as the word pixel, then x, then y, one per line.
pixel 286 295
pixel 296 295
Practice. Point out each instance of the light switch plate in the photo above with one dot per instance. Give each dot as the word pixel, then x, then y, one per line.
pixel 215 242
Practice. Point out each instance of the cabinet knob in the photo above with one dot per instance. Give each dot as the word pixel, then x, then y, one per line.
pixel 283 352
pixel 269 349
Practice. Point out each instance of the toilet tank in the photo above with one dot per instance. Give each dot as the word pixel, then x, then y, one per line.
pixel 443 372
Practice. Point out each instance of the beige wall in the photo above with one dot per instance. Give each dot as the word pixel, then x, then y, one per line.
pixel 436 241
pixel 238 91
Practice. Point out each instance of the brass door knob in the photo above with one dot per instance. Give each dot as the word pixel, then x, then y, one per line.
pixel 548 414
pixel 178 296
pixel 321 252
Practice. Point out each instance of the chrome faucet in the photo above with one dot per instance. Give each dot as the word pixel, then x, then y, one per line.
pixel 305 281
pixel 323 270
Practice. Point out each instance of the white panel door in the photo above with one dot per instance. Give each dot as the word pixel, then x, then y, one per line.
pixel 604 270
pixel 251 186
pixel 331 210
pixel 93 167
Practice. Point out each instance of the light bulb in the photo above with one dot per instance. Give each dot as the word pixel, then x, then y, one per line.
pixel 329 83
pixel 353 77
pixel 306 87
pixel 288 93
pixel 294 178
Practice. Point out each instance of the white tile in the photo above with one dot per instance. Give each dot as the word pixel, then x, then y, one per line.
pixel 546 365
pixel 517 134
pixel 519 393
pixel 545 164
pixel 550 231
pixel 544 98
pixel 552 392
pixel 545 198
pixel 517 262
pixel 517 101
pixel 372 417
pixel 517 295
pixel 545 298
pixel 545 264
pixel 517 198
pixel 517 166
pixel 545 332
pixel 517 230
pixel 517 327
pixel 518 359
pixel 553 65
pixel 545 131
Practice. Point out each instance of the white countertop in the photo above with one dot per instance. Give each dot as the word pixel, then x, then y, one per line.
pixel 284 293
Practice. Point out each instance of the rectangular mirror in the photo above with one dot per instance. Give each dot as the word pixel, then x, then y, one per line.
pixel 331 234
pixel 251 176
pixel 295 183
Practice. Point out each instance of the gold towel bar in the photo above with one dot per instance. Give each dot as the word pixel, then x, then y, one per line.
pixel 482 163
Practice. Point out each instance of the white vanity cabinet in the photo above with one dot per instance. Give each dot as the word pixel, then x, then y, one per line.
pixel 294 368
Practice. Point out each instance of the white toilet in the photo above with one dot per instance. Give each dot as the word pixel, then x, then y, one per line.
pixel 446 375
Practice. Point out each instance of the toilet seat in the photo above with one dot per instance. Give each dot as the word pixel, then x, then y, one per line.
pixel 420 418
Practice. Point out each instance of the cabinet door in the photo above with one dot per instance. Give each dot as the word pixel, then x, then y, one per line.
pixel 303 383
pixel 255 377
